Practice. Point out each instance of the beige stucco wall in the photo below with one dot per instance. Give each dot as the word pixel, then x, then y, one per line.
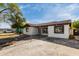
pixel 52 34
pixel 31 31
pixel 34 31
pixel 24 31
pixel 71 32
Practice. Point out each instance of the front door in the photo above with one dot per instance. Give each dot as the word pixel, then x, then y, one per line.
pixel 39 31
pixel 44 31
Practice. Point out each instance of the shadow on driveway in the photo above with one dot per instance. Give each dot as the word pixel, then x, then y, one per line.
pixel 62 41
pixel 8 41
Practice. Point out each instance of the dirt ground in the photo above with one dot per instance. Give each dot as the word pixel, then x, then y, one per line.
pixel 7 35
pixel 37 47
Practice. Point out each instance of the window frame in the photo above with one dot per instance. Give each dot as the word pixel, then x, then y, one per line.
pixel 27 29
pixel 59 26
pixel 43 29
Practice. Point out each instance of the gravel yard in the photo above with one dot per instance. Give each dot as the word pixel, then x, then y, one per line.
pixel 42 47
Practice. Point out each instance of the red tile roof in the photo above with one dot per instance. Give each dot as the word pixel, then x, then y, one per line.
pixel 52 23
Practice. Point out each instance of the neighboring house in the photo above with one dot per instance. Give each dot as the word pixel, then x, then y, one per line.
pixel 5 30
pixel 58 29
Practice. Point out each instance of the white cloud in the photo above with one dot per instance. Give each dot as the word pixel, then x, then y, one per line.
pixel 58 12
pixel 62 13
pixel 68 12
pixel 24 6
pixel 4 25
pixel 28 21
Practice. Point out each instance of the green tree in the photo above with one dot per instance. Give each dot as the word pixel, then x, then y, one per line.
pixel 76 24
pixel 16 16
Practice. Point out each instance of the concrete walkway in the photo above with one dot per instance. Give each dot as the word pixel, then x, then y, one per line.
pixel 36 47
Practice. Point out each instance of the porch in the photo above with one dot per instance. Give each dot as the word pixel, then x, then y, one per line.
pixel 36 30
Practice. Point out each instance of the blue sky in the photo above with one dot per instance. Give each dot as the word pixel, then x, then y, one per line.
pixel 47 12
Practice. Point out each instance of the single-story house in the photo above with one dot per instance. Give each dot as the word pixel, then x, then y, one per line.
pixel 58 29
pixel 6 30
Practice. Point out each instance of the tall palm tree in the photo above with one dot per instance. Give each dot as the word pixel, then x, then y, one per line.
pixel 15 14
pixel 19 20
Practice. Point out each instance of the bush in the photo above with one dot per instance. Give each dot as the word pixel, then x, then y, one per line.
pixel 71 37
pixel 76 24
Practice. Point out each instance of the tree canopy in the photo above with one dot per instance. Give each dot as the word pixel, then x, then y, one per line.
pixel 76 24
pixel 14 13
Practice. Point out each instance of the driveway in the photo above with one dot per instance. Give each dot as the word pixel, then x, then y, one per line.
pixel 40 47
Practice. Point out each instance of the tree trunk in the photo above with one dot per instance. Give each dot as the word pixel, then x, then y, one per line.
pixel 19 30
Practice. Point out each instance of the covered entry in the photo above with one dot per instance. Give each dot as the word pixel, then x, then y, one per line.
pixel 43 30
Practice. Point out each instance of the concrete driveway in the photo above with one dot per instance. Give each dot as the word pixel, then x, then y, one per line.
pixel 37 47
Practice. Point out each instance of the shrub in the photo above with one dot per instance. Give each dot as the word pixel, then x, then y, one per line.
pixel 71 37
pixel 76 24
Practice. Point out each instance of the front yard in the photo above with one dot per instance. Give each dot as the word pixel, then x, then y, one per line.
pixel 7 35
pixel 42 46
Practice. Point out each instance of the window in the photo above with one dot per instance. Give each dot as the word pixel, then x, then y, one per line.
pixel 26 29
pixel 45 30
pixel 76 31
pixel 59 29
